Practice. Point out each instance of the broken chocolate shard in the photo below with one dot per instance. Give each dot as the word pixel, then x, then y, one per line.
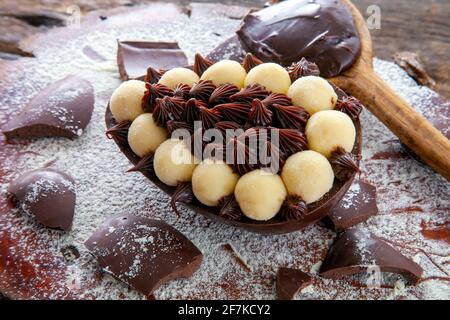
pixel 144 253
pixel 230 49
pixel 119 132
pixel 358 205
pixel 290 282
pixel 134 57
pixel 145 165
pixel 47 194
pixel 356 250
pixel 201 64
pixel 413 65
pixel 182 194
pixel 321 30
pixel 63 109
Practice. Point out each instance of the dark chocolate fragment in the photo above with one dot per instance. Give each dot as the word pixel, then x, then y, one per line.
pixel 230 49
pixel 358 205
pixel 413 65
pixel 47 194
pixel 356 250
pixel 290 282
pixel 144 253
pixel 134 57
pixel 63 109
pixel 322 31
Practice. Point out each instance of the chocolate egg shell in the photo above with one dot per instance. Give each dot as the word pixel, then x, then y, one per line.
pixel 47 194
pixel 276 225
pixel 63 109
pixel 142 252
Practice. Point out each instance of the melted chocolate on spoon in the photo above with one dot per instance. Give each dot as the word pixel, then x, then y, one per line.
pixel 321 31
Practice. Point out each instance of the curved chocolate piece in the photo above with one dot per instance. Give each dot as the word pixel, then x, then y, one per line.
pixel 358 205
pixel 144 253
pixel 63 109
pixel 356 249
pixel 290 282
pixel 47 194
pixel 322 31
pixel 134 57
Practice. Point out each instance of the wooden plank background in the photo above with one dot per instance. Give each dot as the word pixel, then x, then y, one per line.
pixel 420 26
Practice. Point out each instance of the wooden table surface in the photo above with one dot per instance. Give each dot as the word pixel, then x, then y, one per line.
pixel 420 26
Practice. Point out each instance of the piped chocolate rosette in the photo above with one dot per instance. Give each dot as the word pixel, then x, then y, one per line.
pixel 255 141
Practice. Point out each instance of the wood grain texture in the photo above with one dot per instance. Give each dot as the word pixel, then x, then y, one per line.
pixel 405 122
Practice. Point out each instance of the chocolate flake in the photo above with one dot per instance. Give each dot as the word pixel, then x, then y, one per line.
pixel 201 64
pixel 183 194
pixel 235 112
pixel 134 57
pixel 145 165
pixel 222 94
pixel 153 92
pixel 358 205
pixel 144 253
pixel 119 132
pixel 247 94
pixel 259 114
pixel 356 250
pixel 294 208
pixel 350 106
pixel 290 117
pixel 229 208
pixel 250 61
pixel 62 109
pixel 344 164
pixel 303 68
pixel 202 90
pixel 47 194
pixel 290 282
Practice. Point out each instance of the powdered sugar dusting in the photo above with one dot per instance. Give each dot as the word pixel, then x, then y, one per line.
pixel 103 189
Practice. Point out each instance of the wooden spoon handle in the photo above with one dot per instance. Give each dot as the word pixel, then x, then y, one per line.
pixel 405 122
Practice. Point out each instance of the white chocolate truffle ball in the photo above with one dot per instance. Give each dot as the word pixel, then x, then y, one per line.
pixel 225 71
pixel 126 100
pixel 327 130
pixel 144 135
pixel 173 162
pixel 177 76
pixel 312 93
pixel 260 194
pixel 272 76
pixel 308 174
pixel 212 180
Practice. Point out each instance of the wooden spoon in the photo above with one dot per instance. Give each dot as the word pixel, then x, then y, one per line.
pixel 406 123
